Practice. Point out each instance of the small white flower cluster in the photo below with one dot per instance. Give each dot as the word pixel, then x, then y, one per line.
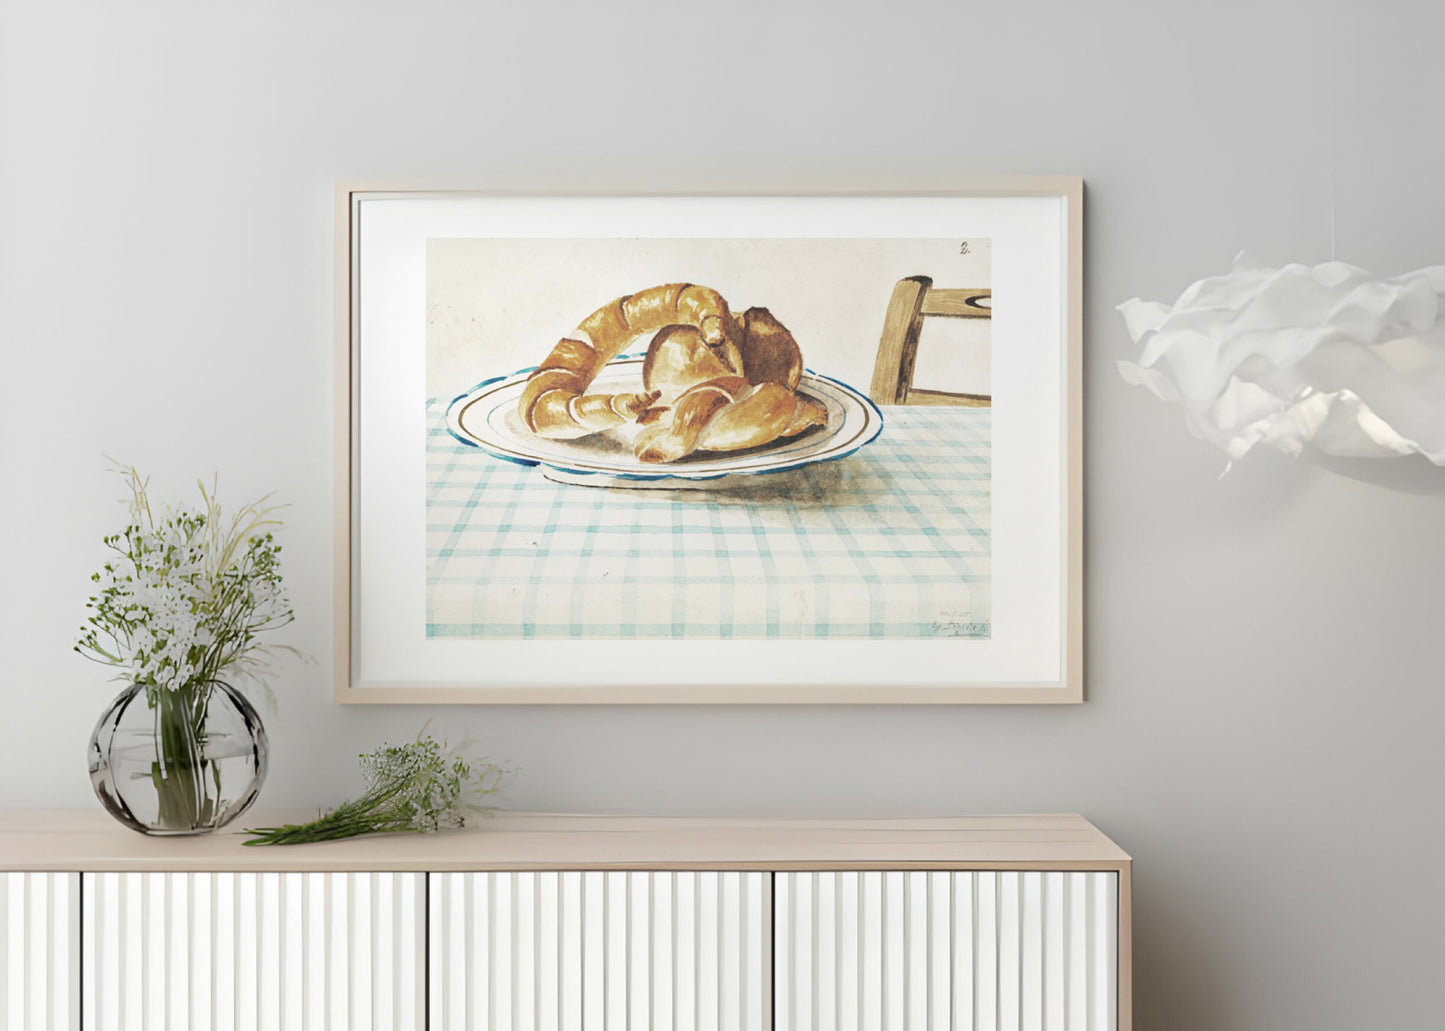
pixel 164 600
pixel 183 601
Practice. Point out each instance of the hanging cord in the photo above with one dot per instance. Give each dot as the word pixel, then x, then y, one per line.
pixel 1330 74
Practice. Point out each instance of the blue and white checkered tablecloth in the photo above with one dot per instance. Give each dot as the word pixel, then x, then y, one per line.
pixel 890 542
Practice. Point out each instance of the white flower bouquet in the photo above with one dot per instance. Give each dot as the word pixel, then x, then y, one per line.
pixel 180 609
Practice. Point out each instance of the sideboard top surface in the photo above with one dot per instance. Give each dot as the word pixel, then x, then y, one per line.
pixel 86 840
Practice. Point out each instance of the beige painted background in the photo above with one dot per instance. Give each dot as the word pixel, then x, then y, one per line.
pixel 498 305
pixel 1266 682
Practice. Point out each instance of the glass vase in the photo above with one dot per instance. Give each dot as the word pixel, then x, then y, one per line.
pixel 173 762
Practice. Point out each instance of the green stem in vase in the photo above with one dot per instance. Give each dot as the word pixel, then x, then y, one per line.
pixel 179 769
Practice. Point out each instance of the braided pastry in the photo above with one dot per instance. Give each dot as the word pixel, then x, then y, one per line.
pixel 711 381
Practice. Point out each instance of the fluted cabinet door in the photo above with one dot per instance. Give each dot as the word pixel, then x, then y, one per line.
pixel 946 951
pixel 39 951
pixel 601 951
pixel 238 951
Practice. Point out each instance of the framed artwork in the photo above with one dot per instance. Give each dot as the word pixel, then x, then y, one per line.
pixel 687 449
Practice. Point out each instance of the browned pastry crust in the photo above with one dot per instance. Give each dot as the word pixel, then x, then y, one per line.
pixel 711 381
pixel 703 405
pixel 553 404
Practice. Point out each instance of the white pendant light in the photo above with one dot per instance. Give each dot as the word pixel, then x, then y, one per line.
pixel 1327 355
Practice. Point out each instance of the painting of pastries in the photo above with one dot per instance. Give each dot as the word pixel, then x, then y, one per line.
pixel 708 438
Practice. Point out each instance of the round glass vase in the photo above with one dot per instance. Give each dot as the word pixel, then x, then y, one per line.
pixel 173 762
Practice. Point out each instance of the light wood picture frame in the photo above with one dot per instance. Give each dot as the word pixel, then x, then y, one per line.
pixel 879 501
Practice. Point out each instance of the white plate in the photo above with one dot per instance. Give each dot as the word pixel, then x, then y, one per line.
pixel 486 417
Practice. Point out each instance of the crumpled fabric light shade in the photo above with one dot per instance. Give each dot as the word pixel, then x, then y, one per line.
pixel 1327 355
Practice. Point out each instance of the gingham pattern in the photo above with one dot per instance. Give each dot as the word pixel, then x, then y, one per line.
pixel 890 542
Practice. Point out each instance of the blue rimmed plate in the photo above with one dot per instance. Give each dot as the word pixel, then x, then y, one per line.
pixel 486 417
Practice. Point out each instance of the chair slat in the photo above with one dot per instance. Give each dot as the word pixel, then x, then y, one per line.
pixel 944 397
pixel 958 304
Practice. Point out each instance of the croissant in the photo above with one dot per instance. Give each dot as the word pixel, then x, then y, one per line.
pixel 711 381
pixel 553 403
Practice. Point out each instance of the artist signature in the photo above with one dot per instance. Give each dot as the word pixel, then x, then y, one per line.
pixel 960 627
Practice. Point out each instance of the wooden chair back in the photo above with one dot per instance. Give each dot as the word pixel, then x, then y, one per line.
pixel 915 299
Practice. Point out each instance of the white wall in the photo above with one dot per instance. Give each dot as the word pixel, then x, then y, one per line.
pixel 1264 666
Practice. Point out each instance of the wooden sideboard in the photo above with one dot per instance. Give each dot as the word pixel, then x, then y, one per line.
pixel 570 923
